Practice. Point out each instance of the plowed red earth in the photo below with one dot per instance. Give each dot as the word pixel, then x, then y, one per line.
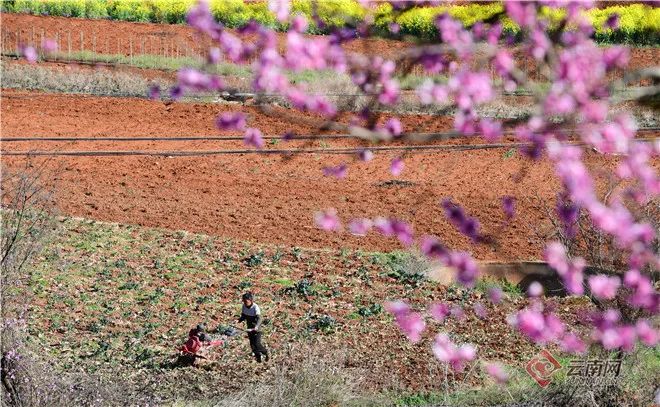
pixel 119 37
pixel 268 198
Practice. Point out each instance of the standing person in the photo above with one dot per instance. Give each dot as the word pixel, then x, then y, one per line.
pixel 251 313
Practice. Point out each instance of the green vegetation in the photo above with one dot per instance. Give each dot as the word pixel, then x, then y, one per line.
pixel 639 24
pixel 116 300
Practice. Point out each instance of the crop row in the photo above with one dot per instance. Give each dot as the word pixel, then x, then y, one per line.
pixel 639 24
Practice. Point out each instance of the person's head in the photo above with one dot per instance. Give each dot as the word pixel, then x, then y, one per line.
pixel 248 299
pixel 200 328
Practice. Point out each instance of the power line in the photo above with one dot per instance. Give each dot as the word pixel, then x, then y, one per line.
pixel 351 151
pixel 437 135
pixel 254 151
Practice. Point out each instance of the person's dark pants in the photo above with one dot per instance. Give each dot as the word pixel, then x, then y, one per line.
pixel 257 347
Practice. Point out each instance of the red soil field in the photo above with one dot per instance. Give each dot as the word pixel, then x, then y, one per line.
pixel 271 199
pixel 119 37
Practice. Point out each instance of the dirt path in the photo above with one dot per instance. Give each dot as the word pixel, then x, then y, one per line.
pixel 269 198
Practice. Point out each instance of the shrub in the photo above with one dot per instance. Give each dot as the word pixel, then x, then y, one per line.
pixel 640 24
pixel 95 9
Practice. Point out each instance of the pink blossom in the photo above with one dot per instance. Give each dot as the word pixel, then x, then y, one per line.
pixel 522 13
pixel 457 313
pixel 366 155
pixel 214 56
pixel 328 220
pixel 497 372
pixel 535 289
pixel 396 166
pixel 540 43
pixel 467 269
pixel 540 328
pixel 495 295
pixel 339 171
pixel 299 24
pixel 49 45
pixel 594 111
pixel 428 93
pixel 453 33
pixel 393 227
pixel 389 94
pixel 383 226
pixel 29 53
pixel 467 225
pixel 439 311
pixel 490 129
pixel 411 323
pixel 571 343
pixel 504 63
pixel 509 206
pixel 646 333
pixel 280 8
pixel 471 88
pixel 192 79
pixel 618 337
pixel 432 248
pixel 480 310
pixel 253 138
pixel 446 351
pixel 154 92
pixel 557 103
pixel 604 287
pixel 199 17
pixel 616 57
pixel 570 271
pixel 360 227
pixel 393 126
pixel 231 121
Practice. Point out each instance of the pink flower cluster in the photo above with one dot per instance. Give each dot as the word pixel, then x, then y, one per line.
pixel 604 287
pixel 644 295
pixel 374 76
pixel 614 335
pixel 190 79
pixel 615 219
pixel 456 356
pixel 541 328
pixel 570 270
pixel 467 269
pixel 456 215
pixel 411 323
pixel 577 96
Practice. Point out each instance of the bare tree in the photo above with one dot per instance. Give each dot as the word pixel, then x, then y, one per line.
pixel 27 218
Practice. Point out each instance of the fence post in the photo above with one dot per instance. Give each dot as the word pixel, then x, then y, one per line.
pixel 81 41
pixel 131 49
pixel 69 43
pixel 32 38
pixel 94 42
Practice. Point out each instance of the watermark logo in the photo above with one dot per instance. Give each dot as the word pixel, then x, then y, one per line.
pixel 542 367
pixel 581 372
pixel 594 372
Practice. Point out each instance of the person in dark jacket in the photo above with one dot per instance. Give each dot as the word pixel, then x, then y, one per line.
pixel 251 314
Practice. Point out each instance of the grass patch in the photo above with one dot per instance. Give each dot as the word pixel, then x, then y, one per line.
pixel 117 300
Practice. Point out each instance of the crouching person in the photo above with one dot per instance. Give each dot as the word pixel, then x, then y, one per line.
pixel 251 314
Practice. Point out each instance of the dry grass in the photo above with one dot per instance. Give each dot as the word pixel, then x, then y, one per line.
pixel 83 82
